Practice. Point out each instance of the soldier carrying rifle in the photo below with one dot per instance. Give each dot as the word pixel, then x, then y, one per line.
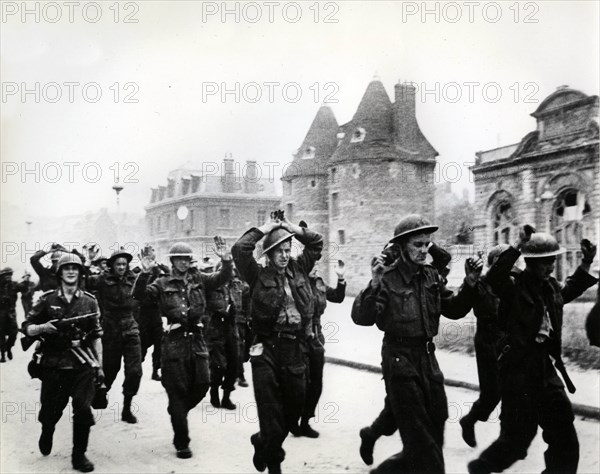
pixel 67 321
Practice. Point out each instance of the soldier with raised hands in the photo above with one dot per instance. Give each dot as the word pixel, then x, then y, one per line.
pixel 531 311
pixel 67 321
pixel 406 300
pixel 282 311
pixel 181 297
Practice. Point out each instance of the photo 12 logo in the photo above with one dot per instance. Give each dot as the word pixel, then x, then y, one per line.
pixel 269 92
pixel 471 12
pixel 271 12
pixel 53 92
pixel 68 171
pixel 69 12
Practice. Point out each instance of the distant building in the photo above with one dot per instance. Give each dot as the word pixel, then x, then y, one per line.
pixel 354 182
pixel 549 179
pixel 200 202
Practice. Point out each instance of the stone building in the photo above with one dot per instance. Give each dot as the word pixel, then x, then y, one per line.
pixel 550 179
pixel 199 203
pixel 354 182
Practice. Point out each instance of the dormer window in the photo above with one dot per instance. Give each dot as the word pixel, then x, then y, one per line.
pixel 358 135
pixel 309 153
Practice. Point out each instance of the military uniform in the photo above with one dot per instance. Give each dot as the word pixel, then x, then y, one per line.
pixel 184 358
pixel 121 339
pixel 407 306
pixel 316 347
pixel 48 280
pixel 63 373
pixel 532 393
pixel 8 314
pixel 282 310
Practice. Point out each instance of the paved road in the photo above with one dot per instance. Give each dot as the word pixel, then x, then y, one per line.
pixel 220 439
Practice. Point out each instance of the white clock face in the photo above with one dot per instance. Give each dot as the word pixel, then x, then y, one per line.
pixel 182 213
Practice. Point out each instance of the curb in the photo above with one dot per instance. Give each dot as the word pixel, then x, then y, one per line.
pixel 585 411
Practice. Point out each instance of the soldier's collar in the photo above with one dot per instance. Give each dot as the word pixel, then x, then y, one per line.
pixel 408 270
pixel 61 293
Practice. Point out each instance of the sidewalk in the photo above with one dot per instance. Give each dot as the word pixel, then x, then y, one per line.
pixel 352 343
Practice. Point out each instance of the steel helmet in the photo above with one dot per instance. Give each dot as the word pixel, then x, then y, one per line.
pixel 412 224
pixel 99 260
pixel 495 252
pixel 274 238
pixel 180 249
pixel 6 271
pixel 541 245
pixel 119 254
pixel 69 259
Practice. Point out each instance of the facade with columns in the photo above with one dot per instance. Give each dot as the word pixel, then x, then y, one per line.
pixel 202 200
pixel 549 179
pixel 353 182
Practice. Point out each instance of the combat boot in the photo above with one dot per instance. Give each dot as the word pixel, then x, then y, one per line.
pixel 274 468
pixel 257 459
pixel 214 397
pixel 3 358
pixel 81 434
pixel 9 354
pixel 367 444
pixel 467 423
pixel 306 430
pixel 126 414
pixel 45 442
pixel 479 466
pixel 241 381
pixel 226 402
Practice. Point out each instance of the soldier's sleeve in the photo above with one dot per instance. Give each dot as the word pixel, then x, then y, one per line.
pixel 243 255
pixel 440 258
pixel 313 247
pixel 216 279
pixel 97 328
pixel 144 291
pixel 370 306
pixel 576 284
pixel 337 294
pixel 36 264
pixel 37 314
pixel 246 301
pixel 456 306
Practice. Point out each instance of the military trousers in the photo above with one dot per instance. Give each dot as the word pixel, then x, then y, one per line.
pixel 121 340
pixel 224 356
pixel 58 385
pixel 486 355
pixel 416 405
pixel 185 377
pixel 316 363
pixel 8 330
pixel 279 379
pixel 533 395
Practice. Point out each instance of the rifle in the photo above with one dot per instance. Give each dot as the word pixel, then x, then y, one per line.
pixel 60 324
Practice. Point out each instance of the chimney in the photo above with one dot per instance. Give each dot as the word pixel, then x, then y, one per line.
pixel 228 174
pixel 251 176
pixel 405 119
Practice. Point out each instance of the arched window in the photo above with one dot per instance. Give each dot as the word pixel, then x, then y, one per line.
pixel 502 223
pixel 571 219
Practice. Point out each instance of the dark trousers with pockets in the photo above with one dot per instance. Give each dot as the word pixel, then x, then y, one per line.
pixel 121 340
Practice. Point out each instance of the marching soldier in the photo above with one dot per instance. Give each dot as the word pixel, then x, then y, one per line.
pixel 181 297
pixel 67 320
pixel 406 300
pixel 487 336
pixel 221 339
pixel 27 296
pixel 282 310
pixel 242 321
pixel 531 305
pixel 8 312
pixel 121 338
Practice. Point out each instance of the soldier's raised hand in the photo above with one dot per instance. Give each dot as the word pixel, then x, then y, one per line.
pixel 147 261
pixel 588 250
pixel 377 268
pixel 221 249
pixel 473 268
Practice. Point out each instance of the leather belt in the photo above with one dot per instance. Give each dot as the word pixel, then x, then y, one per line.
pixel 428 344
pixel 176 326
pixel 285 335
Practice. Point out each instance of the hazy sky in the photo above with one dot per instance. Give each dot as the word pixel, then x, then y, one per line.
pixel 178 52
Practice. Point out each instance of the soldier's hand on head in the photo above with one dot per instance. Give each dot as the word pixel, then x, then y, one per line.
pixel 588 250
pixel 525 233
pixel 377 268
pixel 473 268
pixel 340 269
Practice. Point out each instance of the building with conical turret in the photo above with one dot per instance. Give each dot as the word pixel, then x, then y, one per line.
pixel 354 182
